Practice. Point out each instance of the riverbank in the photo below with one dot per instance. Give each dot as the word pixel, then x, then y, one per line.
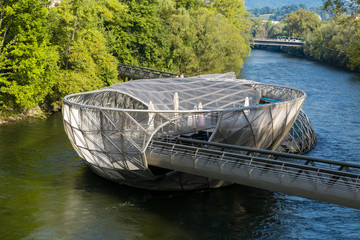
pixel 48 192
pixel 299 52
pixel 13 116
pixel 289 50
pixel 37 112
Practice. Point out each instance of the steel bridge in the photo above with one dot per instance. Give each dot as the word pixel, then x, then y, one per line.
pixel 315 178
pixel 276 42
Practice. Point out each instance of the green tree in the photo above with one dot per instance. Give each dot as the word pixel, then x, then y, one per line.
pixel 300 21
pixel 235 12
pixel 336 43
pixel 27 62
pixel 267 29
pixel 204 41
pixel 354 50
pixel 342 6
pixel 189 4
pixel 137 34
pixel 182 35
pixel 352 8
pixel 85 61
pixel 276 30
pixel 257 28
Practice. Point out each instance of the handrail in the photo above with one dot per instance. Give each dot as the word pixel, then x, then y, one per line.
pixel 260 159
pixel 274 153
pixel 276 42
pixel 260 169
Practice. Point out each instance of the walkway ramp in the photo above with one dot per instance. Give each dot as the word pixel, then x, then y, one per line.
pixel 319 179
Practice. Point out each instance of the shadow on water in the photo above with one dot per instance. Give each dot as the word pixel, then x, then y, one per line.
pixel 234 212
pixel 48 192
pixel 107 210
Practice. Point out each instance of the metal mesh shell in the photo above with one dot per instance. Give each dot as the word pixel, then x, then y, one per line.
pixel 301 138
pixel 111 128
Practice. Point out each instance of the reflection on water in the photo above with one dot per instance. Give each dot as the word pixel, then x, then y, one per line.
pixel 47 192
pixel 154 215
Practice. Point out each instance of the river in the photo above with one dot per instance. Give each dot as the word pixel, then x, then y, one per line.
pixel 47 192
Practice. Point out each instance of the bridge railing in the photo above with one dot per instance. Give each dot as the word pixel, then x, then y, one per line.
pixel 304 160
pixel 278 42
pixel 320 179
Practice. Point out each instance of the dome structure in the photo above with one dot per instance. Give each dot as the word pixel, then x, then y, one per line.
pixel 111 128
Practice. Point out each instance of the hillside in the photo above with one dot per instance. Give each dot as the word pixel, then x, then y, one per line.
pixel 279 3
pixel 277 14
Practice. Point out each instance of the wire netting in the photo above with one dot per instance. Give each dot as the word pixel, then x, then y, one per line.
pixel 111 128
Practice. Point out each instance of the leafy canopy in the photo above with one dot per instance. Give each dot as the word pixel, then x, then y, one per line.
pixel 300 21
pixel 343 6
pixel 49 52
pixel 27 62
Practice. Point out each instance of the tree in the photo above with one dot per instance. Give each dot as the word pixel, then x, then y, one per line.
pixel 85 62
pixel 235 12
pixel 204 41
pixel 300 21
pixel 189 4
pixel 354 50
pixel 335 43
pixel 275 30
pixel 27 63
pixel 353 8
pixel 342 6
pixel 49 52
pixel 138 36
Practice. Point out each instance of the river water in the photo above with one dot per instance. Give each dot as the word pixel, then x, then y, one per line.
pixel 47 192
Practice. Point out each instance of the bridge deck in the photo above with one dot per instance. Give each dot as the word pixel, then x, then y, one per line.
pixel 275 42
pixel 325 180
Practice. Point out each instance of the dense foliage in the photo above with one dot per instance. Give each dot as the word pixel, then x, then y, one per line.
pixel 336 41
pixel 278 14
pixel 343 6
pixel 28 63
pixel 300 22
pixel 250 4
pixel 49 51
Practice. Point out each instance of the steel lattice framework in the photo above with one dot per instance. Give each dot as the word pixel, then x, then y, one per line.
pixel 111 128
pixel 326 180
pixel 301 138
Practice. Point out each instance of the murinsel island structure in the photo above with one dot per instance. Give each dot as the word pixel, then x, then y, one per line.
pixel 112 128
pixel 202 132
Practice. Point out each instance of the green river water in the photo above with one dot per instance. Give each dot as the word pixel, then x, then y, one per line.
pixel 47 191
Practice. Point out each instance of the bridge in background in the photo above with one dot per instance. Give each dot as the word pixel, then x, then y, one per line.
pixel 135 72
pixel 277 42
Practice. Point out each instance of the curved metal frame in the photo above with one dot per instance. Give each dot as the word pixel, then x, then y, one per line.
pixel 113 140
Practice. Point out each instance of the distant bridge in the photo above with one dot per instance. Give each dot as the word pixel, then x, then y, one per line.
pixel 278 42
pixel 135 72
